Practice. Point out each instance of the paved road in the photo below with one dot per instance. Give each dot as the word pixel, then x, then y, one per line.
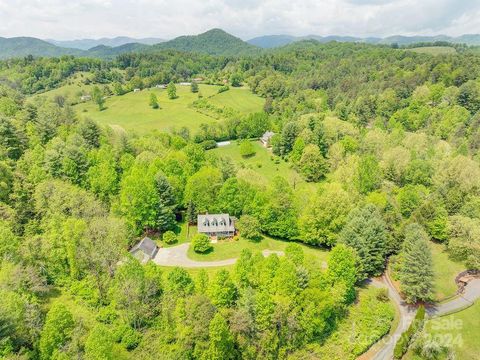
pixel 407 312
pixel 177 256
pixel 469 296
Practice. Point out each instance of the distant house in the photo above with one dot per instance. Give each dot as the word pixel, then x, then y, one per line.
pixel 136 90
pixel 145 250
pixel 184 83
pixel 266 138
pixel 85 98
pixel 161 86
pixel 216 225
pixel 198 79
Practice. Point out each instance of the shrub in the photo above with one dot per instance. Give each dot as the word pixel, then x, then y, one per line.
pixel 169 237
pixel 209 144
pixel 246 148
pixel 223 88
pixel 404 342
pixel 127 336
pixel 201 243
pixel 382 295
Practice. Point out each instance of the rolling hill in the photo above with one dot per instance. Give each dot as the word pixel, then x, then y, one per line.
pixel 23 46
pixel 213 42
pixel 271 41
pixel 87 44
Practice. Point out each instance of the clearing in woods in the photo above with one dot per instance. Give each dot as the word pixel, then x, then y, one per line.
pixel 133 113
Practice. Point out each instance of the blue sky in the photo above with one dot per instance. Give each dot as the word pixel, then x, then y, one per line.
pixel 63 19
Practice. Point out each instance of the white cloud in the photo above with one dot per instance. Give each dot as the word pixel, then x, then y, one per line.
pixel 62 19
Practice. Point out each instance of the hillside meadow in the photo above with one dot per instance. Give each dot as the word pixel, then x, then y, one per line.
pixel 133 113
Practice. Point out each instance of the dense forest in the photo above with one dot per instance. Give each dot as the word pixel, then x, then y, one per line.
pixel 388 139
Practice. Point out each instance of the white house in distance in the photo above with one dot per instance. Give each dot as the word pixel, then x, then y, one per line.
pixel 266 137
pixel 145 250
pixel 216 225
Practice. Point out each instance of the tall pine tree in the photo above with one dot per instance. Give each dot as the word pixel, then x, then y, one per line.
pixel 366 232
pixel 416 270
pixel 166 212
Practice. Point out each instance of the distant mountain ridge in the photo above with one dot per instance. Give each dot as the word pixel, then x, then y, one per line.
pixel 213 42
pixel 271 41
pixel 23 46
pixel 87 44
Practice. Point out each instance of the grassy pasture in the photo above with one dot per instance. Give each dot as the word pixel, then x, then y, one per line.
pixel 133 113
pixel 240 99
pixel 435 50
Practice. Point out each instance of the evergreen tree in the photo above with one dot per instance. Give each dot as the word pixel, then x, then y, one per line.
pixel 194 87
pixel 166 211
pixel 365 231
pixel 221 344
pixel 416 269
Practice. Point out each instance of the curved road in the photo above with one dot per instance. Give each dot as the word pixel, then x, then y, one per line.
pixel 177 256
pixel 407 312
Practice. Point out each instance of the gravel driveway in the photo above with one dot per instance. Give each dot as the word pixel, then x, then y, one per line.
pixel 177 256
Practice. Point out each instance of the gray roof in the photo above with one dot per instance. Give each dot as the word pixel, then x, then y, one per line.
pixel 267 136
pixel 147 246
pixel 214 223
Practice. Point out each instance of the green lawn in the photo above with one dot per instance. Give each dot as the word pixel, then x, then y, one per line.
pixel 240 99
pixel 458 331
pixel 133 113
pixel 445 272
pixel 435 50
pixel 227 249
pixel 263 162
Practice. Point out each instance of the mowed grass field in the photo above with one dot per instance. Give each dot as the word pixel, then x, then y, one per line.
pixel 263 162
pixel 458 331
pixel 435 50
pixel 133 113
pixel 240 99
pixel 232 248
pixel 445 270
